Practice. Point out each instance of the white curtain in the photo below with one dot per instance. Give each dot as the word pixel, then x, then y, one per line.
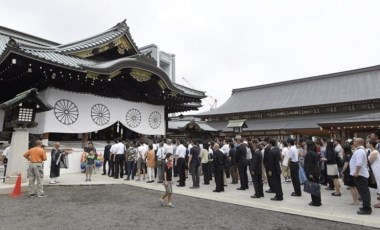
pixel 81 113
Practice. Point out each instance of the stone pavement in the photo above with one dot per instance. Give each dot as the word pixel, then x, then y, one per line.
pixel 333 208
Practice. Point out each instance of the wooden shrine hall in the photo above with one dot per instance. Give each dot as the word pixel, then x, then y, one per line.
pixel 98 83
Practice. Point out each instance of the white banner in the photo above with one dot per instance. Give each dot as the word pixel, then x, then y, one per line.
pixel 82 113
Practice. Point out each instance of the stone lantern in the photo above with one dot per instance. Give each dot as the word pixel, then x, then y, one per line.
pixel 19 115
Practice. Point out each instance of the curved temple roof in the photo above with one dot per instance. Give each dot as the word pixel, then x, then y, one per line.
pixel 342 87
pixel 77 56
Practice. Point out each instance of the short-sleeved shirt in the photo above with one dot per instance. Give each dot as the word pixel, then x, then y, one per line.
pixel 6 152
pixel 161 153
pixel 36 155
pixel 285 155
pixel 169 148
pixel 142 152
pixel 204 156
pixel 91 159
pixel 181 151
pixel 169 171
pixel 131 154
pixel 293 154
pixel 359 158
pixel 118 148
pixel 194 152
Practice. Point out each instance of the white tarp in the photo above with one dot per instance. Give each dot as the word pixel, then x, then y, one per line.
pixel 82 113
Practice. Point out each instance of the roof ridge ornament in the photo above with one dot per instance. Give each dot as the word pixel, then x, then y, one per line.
pixel 13 43
pixel 121 24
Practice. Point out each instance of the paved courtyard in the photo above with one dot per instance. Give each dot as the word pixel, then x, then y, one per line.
pixel 114 203
pixel 130 207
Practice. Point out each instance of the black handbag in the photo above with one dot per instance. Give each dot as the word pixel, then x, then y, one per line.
pixel 371 180
pixel 312 188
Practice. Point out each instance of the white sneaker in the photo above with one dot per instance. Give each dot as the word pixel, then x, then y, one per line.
pixel 52 182
pixel 162 202
pixel 42 196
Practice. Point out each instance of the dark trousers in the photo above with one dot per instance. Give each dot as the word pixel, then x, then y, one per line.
pixel 175 169
pixel 361 184
pixel 130 167
pixel 206 176
pixel 234 174
pixel 181 171
pixel 219 178
pixel 294 174
pixel 258 184
pixel 111 164
pixel 105 161
pixel 210 170
pixel 269 178
pixel 5 172
pixel 195 175
pixel 243 176
pixel 277 187
pixel 227 168
pixel 119 165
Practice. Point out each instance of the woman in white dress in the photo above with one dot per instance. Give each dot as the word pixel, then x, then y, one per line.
pixel 374 160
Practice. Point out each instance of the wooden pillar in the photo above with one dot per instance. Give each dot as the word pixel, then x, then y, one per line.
pixel 166 118
pixel 45 139
pixel 84 139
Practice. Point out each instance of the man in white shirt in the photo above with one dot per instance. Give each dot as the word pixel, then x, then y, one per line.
pixel 119 151
pixel 285 161
pixel 294 168
pixel 181 154
pixel 112 159
pixel 359 170
pixel 225 148
pixel 338 148
pixel 5 157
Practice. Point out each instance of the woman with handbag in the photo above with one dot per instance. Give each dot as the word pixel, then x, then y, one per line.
pixel 312 170
pixel 374 161
pixel 332 166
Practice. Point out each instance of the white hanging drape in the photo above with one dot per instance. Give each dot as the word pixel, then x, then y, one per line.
pixel 81 113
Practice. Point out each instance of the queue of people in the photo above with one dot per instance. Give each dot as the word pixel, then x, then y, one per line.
pixel 259 162
pixel 244 161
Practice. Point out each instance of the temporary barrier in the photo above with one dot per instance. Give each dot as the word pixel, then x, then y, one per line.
pixel 17 189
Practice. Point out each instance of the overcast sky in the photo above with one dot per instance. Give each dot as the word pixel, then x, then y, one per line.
pixel 221 44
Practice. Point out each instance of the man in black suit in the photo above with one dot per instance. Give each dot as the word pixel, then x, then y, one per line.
pixel 265 163
pixel 219 161
pixel 256 170
pixel 241 162
pixel 274 169
pixel 106 157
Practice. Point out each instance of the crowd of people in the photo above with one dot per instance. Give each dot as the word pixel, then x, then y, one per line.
pixel 241 160
pixel 253 161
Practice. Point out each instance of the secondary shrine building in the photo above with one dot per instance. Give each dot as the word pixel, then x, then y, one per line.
pixel 102 85
pixel 338 105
